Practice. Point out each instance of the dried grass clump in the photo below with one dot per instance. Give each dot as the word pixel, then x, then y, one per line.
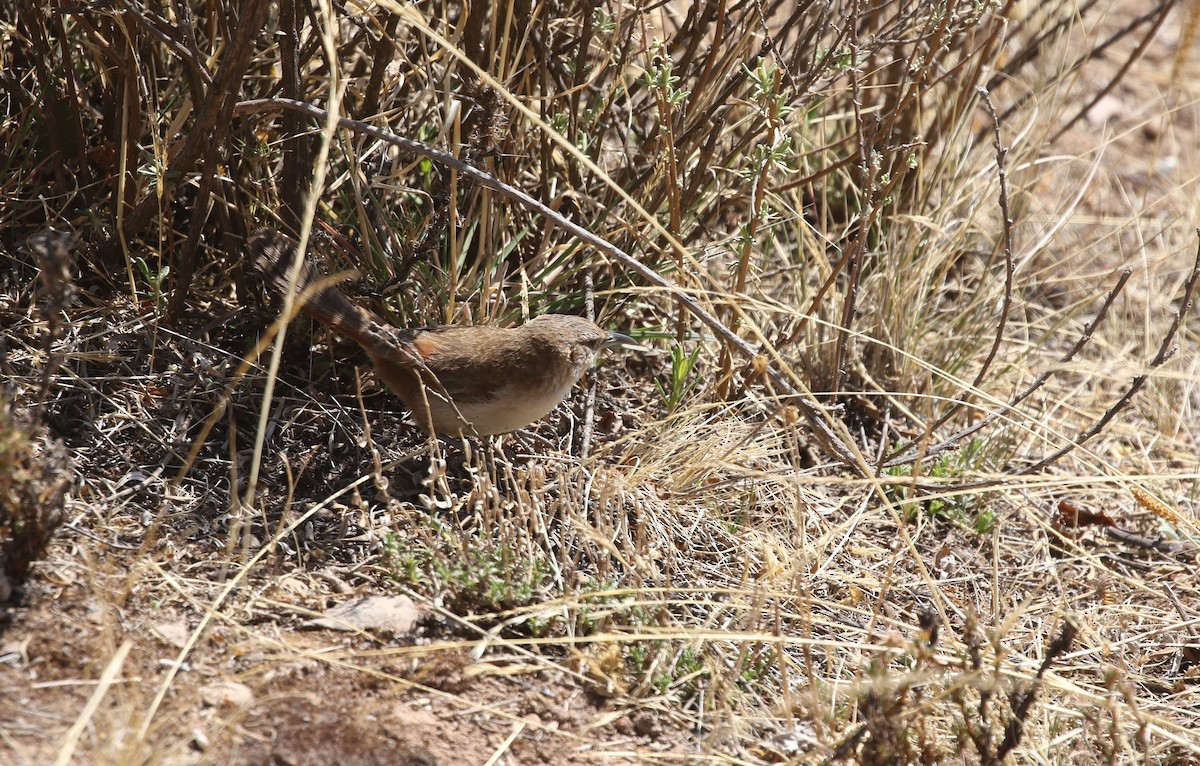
pixel 35 475
pixel 35 470
pixel 805 190
pixel 875 368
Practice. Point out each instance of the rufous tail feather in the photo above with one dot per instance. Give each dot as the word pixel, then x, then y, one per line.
pixel 271 255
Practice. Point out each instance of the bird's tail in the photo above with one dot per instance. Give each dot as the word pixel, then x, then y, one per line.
pixel 272 254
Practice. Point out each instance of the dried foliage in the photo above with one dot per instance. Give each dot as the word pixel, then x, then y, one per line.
pixel 35 475
pixel 875 373
pixel 767 153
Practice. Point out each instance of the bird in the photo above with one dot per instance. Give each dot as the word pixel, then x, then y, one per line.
pixel 456 380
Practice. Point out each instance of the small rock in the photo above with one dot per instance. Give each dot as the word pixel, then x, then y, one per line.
pixel 226 694
pixel 1167 165
pixel 386 614
pixel 1108 108
pixel 199 740
pixel 174 633
pixel 294 586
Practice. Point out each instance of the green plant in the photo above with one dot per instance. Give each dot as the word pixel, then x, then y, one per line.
pixel 969 510
pixel 681 381
pixel 155 279
pixel 470 574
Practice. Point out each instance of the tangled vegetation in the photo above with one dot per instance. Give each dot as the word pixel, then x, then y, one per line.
pixel 856 501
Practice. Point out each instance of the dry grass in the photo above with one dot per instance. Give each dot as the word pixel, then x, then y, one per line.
pixel 839 513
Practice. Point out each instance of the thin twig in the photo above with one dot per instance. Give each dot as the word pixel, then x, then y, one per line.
pixel 589 408
pixel 815 417
pixel 953 440
pixel 1166 350
pixel 1092 54
pixel 1021 702
pixel 1006 247
pixel 234 61
pixel 1126 65
pixel 168 33
pixel 856 252
pixel 1006 224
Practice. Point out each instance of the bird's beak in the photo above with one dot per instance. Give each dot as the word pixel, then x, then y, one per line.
pixel 617 340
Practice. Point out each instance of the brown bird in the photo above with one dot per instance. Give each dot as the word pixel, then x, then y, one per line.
pixel 455 379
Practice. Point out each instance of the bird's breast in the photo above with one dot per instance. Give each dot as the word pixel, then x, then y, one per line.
pixel 514 406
